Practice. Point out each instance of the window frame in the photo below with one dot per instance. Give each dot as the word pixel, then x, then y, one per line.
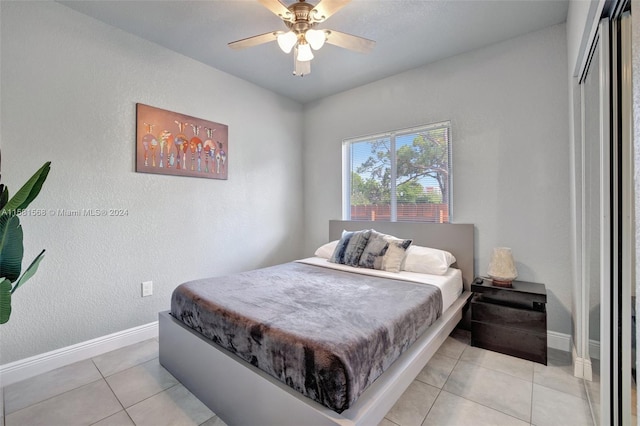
pixel 392 135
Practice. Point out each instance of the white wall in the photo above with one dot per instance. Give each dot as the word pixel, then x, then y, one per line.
pixel 69 87
pixel 508 104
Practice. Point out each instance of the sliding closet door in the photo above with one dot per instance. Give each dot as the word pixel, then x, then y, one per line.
pixel 596 208
pixel 624 247
pixel 608 226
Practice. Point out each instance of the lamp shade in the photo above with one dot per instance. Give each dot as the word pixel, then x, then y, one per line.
pixel 304 52
pixel 287 40
pixel 502 268
pixel 315 38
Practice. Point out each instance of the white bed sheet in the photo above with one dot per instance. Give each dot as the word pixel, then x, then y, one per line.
pixel 450 284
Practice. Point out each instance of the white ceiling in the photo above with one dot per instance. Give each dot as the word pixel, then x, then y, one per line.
pixel 409 33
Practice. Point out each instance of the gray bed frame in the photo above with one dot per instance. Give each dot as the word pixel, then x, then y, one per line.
pixel 241 394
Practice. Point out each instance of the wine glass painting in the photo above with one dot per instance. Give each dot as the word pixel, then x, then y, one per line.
pixel 164 140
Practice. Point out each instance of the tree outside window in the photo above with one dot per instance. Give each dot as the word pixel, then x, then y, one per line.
pixel 403 175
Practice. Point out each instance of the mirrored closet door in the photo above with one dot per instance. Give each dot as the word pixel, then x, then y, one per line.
pixel 625 214
pixel 596 258
pixel 607 256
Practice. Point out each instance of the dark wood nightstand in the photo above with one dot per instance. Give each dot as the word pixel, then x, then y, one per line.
pixel 512 320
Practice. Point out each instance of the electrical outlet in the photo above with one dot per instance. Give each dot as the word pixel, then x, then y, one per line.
pixel 147 288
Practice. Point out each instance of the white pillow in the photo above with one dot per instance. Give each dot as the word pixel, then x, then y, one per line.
pixel 426 260
pixel 326 251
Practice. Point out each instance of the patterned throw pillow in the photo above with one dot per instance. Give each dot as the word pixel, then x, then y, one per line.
pixel 384 252
pixel 350 247
pixel 374 251
pixel 395 253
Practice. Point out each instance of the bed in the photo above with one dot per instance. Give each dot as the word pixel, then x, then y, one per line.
pixel 240 393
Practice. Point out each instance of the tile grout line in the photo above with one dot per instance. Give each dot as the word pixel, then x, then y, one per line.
pixel 440 390
pixel 531 405
pixel 46 399
pixel 125 409
pixel 102 377
pixel 430 408
pixel 212 417
pixel 114 394
pixel 128 368
pixel 156 394
pixel 54 396
pixel 479 403
pixel 486 406
pixel 499 371
pixel 562 392
pixel 97 368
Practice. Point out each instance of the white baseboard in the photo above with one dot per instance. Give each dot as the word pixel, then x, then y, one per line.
pixel 588 370
pixel 25 368
pixel 559 341
pixel 578 363
pixel 582 367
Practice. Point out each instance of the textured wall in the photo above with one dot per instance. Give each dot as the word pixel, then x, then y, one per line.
pixel 508 104
pixel 69 87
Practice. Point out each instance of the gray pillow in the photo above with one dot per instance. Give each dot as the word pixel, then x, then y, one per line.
pixel 384 252
pixel 374 251
pixel 350 247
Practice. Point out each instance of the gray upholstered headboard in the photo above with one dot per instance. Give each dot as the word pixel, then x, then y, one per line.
pixel 453 237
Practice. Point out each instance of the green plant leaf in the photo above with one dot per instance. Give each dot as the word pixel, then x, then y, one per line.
pixel 5 300
pixel 4 195
pixel 11 248
pixel 29 190
pixel 30 271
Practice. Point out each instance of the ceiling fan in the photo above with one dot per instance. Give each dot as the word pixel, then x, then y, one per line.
pixel 301 18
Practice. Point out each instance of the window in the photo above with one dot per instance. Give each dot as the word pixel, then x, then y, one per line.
pixel 402 176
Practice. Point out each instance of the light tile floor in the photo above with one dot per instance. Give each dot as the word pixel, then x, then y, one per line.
pixel 461 385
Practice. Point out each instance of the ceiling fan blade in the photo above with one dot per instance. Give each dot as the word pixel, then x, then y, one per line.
pixel 279 9
pixel 348 41
pixel 254 41
pixel 326 8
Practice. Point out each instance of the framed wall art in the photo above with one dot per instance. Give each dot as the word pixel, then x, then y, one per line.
pixel 171 143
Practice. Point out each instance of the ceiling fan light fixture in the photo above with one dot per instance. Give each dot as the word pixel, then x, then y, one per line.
pixel 301 37
pixel 301 68
pixel 304 52
pixel 315 38
pixel 287 40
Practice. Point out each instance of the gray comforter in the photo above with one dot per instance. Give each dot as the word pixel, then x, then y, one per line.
pixel 326 333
